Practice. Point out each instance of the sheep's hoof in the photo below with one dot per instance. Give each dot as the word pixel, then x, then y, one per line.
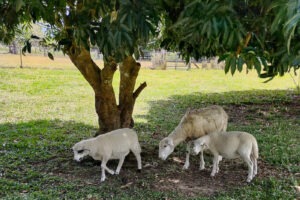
pixel 117 173
pixel 185 167
pixel 249 180
pixel 102 180
pixel 201 168
pixel 139 170
pixel 212 174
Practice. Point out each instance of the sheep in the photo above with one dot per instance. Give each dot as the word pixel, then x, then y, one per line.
pixel 230 145
pixel 113 145
pixel 194 124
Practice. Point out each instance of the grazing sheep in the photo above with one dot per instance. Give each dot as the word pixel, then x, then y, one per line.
pixel 194 124
pixel 230 145
pixel 113 145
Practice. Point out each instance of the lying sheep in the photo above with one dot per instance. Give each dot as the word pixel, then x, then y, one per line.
pixel 194 124
pixel 230 145
pixel 113 145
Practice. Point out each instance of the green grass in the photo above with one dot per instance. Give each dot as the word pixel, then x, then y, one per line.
pixel 44 112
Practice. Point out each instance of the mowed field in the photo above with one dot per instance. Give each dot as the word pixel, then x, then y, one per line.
pixel 47 106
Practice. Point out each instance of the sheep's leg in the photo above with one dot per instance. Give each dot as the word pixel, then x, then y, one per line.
pixel 187 156
pixel 121 161
pixel 220 158
pixel 254 167
pixel 103 168
pixel 250 167
pixel 103 177
pixel 202 163
pixel 137 155
pixel 215 165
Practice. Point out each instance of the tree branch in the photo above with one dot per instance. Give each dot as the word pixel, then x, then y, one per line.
pixel 246 41
pixel 139 90
pixel 81 58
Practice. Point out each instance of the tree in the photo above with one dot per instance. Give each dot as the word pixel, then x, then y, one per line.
pixel 255 33
pixel 116 27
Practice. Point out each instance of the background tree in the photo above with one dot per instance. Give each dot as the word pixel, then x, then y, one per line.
pixel 262 35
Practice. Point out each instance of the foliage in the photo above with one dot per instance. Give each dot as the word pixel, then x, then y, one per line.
pixel 262 35
pixel 258 34
pixel 116 27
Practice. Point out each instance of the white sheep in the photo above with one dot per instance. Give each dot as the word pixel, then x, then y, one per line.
pixel 113 145
pixel 230 145
pixel 194 124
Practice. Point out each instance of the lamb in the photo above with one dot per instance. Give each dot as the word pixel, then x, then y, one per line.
pixel 230 145
pixel 113 145
pixel 194 124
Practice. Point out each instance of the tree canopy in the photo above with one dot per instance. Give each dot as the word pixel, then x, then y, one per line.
pixel 255 33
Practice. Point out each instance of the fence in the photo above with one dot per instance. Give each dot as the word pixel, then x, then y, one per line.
pixel 159 59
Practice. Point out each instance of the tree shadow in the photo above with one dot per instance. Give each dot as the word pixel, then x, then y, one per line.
pixel 164 115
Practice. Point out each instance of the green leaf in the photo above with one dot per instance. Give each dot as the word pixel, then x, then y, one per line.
pixel 227 64
pixel 50 56
pixel 215 25
pixel 264 62
pixel 240 64
pixel 34 37
pixel 125 28
pixel 233 65
pixel 136 54
pixel 129 40
pixel 257 65
pixel 292 22
pixel 19 4
pixel 230 39
pixel 252 52
pixel 28 46
pixel 223 57
pixel 24 50
pixel 269 79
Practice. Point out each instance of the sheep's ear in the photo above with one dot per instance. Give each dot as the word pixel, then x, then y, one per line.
pixel 170 142
pixel 204 145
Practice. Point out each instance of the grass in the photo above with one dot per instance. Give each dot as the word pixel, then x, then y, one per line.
pixel 43 112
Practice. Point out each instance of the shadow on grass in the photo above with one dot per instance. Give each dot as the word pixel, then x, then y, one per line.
pixel 164 115
pixel 39 140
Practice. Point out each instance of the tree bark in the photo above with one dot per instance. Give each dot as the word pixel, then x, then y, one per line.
pixel 129 70
pixel 110 115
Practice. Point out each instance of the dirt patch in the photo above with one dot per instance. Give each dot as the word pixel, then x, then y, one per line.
pixel 168 175
pixel 246 113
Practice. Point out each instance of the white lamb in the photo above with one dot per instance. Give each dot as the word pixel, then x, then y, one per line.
pixel 113 145
pixel 194 124
pixel 230 145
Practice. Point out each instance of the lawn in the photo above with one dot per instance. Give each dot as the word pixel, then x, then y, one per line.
pixel 47 106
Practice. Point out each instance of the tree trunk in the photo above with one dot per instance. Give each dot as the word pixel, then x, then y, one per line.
pixel 129 70
pixel 110 115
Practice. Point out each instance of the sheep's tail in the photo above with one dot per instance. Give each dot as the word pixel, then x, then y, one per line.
pixel 254 153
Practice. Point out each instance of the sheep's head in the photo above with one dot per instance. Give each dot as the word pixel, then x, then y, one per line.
pixel 166 147
pixel 80 151
pixel 197 146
